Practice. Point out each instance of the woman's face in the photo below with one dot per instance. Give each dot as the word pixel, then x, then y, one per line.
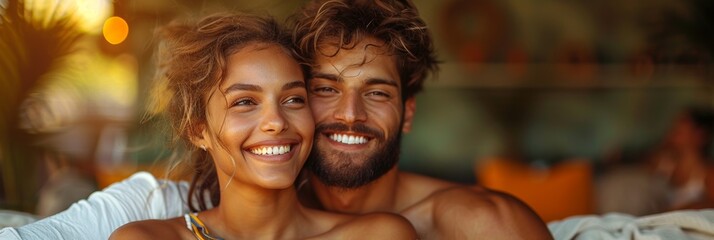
pixel 259 125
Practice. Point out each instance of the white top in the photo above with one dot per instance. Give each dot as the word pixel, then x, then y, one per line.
pixel 139 197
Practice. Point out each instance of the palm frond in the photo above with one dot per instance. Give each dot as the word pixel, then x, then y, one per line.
pixel 32 43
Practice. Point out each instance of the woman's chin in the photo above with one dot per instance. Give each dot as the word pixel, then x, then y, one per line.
pixel 277 183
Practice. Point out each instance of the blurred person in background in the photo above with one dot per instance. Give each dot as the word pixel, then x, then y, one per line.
pixel 685 156
pixel 674 175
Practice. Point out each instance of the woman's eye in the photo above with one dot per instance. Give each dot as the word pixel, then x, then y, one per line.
pixel 243 102
pixel 295 100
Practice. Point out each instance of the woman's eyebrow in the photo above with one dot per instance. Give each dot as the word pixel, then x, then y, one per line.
pixel 242 86
pixel 294 84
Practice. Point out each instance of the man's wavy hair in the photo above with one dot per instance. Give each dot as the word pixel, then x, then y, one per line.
pixel 347 22
pixel 192 61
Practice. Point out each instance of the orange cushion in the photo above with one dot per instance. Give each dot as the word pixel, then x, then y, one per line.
pixel 563 190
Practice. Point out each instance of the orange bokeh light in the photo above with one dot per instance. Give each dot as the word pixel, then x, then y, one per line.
pixel 115 30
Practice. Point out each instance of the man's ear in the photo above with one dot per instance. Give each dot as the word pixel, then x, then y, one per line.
pixel 199 136
pixel 409 111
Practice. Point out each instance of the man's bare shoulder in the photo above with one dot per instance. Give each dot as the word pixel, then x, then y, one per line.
pixel 441 209
pixel 482 212
pixel 153 229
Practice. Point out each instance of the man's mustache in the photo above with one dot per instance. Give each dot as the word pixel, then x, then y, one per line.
pixel 358 128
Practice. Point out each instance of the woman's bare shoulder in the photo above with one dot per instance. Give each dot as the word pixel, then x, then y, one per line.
pixel 153 229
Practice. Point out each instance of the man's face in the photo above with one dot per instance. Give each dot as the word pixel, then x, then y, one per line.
pixel 356 102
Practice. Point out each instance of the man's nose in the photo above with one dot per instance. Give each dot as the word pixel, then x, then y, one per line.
pixel 350 108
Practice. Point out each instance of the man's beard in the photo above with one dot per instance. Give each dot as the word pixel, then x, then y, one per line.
pixel 348 170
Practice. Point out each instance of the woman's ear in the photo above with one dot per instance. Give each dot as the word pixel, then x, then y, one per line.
pixel 199 136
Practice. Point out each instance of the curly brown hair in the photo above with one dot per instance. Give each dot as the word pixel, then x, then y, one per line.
pixel 192 61
pixel 347 22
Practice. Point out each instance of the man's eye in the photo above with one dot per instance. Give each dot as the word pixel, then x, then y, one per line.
pixel 324 90
pixel 379 94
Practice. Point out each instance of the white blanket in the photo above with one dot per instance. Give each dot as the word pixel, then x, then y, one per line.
pixel 690 224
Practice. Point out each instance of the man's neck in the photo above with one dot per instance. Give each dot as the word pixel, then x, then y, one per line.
pixel 379 195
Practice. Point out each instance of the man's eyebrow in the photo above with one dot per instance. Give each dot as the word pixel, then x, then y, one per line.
pixel 242 86
pixel 377 81
pixel 327 76
pixel 294 84
pixel 371 81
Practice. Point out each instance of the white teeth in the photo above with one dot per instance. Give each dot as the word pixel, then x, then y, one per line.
pixel 275 150
pixel 348 139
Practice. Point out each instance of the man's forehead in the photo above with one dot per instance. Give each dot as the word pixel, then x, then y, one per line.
pixel 364 66
pixel 363 53
pixel 357 48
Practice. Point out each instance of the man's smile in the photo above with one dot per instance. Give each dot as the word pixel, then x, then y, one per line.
pixel 346 138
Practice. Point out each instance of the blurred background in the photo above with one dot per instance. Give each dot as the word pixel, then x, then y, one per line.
pixel 576 107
